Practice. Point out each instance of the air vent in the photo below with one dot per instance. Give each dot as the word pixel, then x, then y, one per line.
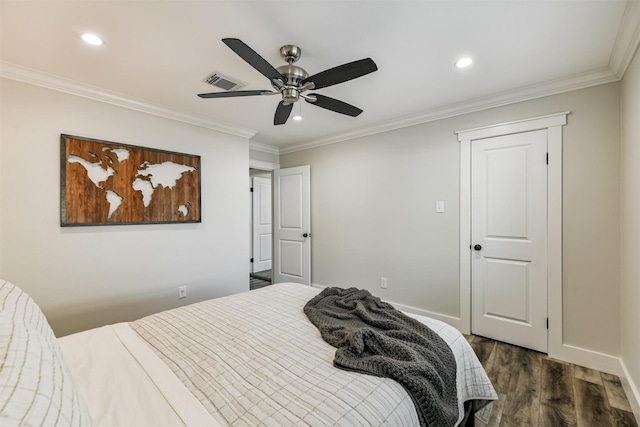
pixel 223 82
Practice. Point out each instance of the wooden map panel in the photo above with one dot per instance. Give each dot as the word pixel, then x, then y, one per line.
pixel 104 183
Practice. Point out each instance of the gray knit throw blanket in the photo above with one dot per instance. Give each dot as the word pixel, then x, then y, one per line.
pixel 374 338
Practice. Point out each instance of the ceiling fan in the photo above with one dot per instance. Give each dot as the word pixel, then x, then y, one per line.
pixel 292 81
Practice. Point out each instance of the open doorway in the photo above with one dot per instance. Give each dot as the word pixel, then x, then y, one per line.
pixel 290 243
pixel 260 268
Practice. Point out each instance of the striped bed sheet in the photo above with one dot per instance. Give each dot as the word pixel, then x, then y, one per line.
pixel 255 359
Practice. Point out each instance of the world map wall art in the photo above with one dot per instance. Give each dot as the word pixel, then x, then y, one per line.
pixel 106 183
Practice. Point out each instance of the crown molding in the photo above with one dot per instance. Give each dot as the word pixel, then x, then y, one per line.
pixel 553 87
pixel 50 81
pixel 628 39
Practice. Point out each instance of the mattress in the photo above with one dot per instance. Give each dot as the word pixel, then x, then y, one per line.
pixel 248 359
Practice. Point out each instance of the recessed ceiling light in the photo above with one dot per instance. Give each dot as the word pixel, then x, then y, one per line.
pixel 92 39
pixel 464 62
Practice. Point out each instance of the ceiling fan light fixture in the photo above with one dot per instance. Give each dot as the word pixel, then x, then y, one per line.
pixel 298 115
pixel 92 39
pixel 463 62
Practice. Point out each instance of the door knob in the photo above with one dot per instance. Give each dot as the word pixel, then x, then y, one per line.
pixel 477 247
pixel 306 235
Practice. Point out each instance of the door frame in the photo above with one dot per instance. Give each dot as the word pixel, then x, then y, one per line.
pixel 553 124
pixel 265 166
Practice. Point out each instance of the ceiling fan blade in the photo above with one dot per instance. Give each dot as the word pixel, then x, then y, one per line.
pixel 334 105
pixel 342 73
pixel 252 58
pixel 282 113
pixel 235 93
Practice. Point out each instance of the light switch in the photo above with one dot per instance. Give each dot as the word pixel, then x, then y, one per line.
pixel 440 206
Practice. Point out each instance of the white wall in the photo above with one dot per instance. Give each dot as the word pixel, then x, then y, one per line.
pixel 88 276
pixel 630 229
pixel 373 215
pixel 373 211
pixel 263 156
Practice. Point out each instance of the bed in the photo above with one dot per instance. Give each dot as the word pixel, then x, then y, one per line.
pixel 244 360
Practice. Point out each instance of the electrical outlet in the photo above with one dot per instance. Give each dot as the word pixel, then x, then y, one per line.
pixel 383 282
pixel 182 292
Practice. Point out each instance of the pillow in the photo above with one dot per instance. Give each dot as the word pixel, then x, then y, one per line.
pixel 18 305
pixel 36 388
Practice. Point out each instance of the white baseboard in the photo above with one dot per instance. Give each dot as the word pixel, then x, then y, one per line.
pixel 588 358
pixel 631 390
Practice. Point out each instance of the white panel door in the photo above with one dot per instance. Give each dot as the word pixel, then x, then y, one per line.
pixel 509 239
pixel 261 224
pixel 292 225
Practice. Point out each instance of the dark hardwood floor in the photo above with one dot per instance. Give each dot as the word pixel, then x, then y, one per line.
pixel 257 283
pixel 537 391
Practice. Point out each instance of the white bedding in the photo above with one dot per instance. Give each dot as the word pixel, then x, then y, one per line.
pixel 253 360
pixel 125 384
pixel 269 366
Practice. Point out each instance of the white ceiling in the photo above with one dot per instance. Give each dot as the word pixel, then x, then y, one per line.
pixel 157 53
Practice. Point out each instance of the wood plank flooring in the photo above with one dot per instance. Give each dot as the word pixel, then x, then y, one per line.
pixel 537 391
pixel 257 283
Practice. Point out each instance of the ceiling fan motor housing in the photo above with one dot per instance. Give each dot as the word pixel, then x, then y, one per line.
pixel 293 76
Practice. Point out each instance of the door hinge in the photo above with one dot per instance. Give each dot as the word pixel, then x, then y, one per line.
pixel 251 189
pixel 547 323
pixel 251 260
pixel 547 158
